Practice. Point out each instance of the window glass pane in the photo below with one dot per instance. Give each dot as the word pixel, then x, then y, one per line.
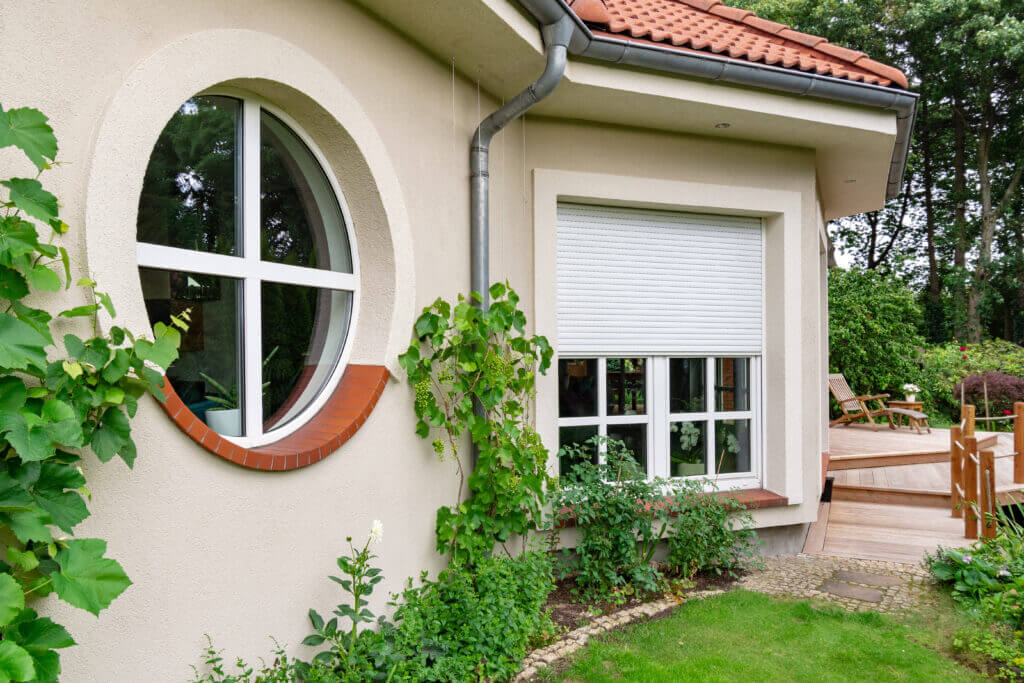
pixel 732 384
pixel 302 223
pixel 190 193
pixel 635 438
pixel 304 331
pixel 206 373
pixel 575 436
pixel 687 385
pixel 577 387
pixel 687 447
pixel 732 446
pixel 627 386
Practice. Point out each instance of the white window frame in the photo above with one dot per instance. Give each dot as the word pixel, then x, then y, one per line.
pixel 602 420
pixel 658 418
pixel 252 271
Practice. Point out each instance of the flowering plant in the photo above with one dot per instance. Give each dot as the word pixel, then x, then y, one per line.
pixel 911 388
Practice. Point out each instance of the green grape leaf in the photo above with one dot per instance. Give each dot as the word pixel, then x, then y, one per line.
pixel 87 579
pixel 118 366
pixel 29 525
pixel 107 304
pixel 163 350
pixel 12 599
pixel 36 318
pixel 66 262
pixel 28 195
pixel 12 284
pixel 44 279
pixel 113 436
pixel 27 559
pixel 15 663
pixel 21 344
pixel 17 238
pixel 80 311
pixel 66 509
pixel 32 442
pixel 36 633
pixel 12 393
pixel 13 495
pixel 28 130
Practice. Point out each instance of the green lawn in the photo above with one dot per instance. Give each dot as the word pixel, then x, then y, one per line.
pixel 743 636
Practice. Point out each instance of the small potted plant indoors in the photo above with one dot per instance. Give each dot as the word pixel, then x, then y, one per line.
pixel 226 418
pixel 911 391
pixel 690 460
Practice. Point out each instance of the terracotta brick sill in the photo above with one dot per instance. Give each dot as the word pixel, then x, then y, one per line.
pixel 753 499
pixel 341 417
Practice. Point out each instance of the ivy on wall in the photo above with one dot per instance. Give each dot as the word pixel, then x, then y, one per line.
pixel 59 402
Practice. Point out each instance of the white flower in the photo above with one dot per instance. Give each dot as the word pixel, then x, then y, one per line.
pixel 377 531
pixel 967 558
pixel 911 388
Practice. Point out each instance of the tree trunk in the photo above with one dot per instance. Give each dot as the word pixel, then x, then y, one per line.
pixel 959 215
pixel 933 306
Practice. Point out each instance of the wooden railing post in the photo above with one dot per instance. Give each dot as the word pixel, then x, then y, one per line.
pixel 987 497
pixel 970 487
pixel 967 417
pixel 956 469
pixel 1018 442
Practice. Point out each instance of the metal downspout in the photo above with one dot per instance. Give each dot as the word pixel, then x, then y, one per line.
pixel 556 41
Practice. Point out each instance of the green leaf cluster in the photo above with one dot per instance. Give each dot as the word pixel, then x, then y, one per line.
pixel 872 329
pixel 622 517
pixel 474 373
pixel 58 402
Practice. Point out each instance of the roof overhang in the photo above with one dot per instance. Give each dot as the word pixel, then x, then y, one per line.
pixel 860 133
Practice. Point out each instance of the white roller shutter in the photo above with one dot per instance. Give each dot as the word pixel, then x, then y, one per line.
pixel 632 281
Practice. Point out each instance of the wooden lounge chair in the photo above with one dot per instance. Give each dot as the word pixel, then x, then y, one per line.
pixel 856 407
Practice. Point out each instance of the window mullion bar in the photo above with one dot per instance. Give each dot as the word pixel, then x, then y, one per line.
pixel 709 429
pixel 252 353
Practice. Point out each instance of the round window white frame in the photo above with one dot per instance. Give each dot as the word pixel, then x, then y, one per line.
pixel 252 271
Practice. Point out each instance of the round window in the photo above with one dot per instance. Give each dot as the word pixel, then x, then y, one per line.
pixel 240 225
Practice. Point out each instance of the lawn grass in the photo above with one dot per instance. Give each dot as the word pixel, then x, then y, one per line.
pixel 744 636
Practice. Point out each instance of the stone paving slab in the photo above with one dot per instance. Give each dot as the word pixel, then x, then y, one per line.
pixel 851 590
pixel 868 578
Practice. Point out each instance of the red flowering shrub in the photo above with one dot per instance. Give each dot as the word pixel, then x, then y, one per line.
pixel 1003 390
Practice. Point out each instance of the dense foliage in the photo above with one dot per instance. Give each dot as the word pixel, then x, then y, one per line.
pixel 944 366
pixel 469 624
pixel 474 373
pixel 956 232
pixel 987 580
pixel 58 403
pixel 623 517
pixel 872 335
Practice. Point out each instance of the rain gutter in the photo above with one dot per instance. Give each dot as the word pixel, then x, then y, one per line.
pixel 585 43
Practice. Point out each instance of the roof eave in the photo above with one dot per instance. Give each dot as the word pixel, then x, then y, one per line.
pixel 585 43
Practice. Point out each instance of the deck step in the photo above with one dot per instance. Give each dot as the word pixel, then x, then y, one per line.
pixel 891 496
pixel 854 462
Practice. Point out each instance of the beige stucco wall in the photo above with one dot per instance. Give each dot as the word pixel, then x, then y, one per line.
pixel 213 548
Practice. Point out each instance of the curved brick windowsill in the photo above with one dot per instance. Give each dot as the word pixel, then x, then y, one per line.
pixel 344 413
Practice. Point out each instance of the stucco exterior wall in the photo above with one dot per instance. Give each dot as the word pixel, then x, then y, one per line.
pixel 239 554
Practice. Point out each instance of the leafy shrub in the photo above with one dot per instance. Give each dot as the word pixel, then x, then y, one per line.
pixel 709 533
pixel 473 625
pixel 54 409
pixel 463 359
pixel 944 366
pixel 622 517
pixel 872 325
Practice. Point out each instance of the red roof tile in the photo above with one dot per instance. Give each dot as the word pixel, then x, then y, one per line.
pixel 709 26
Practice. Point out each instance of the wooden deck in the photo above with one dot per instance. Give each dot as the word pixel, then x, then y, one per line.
pixel 891 493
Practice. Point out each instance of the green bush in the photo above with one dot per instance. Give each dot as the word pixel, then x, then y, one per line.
pixel 872 326
pixel 943 366
pixel 622 517
pixel 709 533
pixel 473 625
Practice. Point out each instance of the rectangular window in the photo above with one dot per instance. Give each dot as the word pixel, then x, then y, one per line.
pixel 680 417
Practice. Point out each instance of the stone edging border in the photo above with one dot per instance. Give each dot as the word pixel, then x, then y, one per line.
pixel 571 642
